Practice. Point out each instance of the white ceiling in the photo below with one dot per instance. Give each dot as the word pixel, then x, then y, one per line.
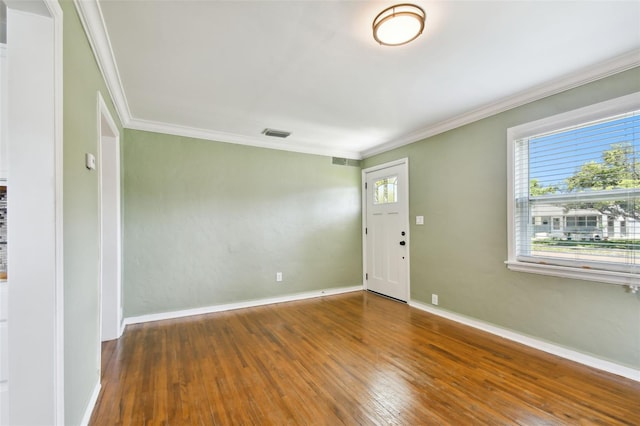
pixel 225 70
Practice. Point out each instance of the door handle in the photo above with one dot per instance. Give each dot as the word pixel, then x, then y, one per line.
pixel 403 243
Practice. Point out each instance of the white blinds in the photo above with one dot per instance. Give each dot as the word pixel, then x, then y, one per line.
pixel 577 193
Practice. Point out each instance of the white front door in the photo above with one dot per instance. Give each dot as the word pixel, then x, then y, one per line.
pixel 387 229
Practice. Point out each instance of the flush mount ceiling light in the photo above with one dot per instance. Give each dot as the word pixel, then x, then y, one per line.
pixel 399 24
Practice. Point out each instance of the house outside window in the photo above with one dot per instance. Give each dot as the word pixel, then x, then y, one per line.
pixel 574 194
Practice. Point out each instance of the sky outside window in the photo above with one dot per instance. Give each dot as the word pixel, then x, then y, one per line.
pixel 554 158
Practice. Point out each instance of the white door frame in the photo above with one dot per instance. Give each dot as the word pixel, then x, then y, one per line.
pixel 35 232
pixel 401 162
pixel 110 246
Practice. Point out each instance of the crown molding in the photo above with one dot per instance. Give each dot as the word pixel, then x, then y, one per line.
pixel 258 141
pixel 94 26
pixel 93 23
pixel 604 69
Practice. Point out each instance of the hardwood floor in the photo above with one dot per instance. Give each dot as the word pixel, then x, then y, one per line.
pixel 352 359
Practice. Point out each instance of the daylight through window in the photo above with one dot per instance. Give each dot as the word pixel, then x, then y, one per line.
pixel 576 195
pixel 386 190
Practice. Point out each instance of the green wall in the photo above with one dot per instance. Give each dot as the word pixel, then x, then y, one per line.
pixel 82 81
pixel 209 223
pixel 458 181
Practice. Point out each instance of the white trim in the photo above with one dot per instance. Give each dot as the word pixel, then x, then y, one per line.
pixel 59 357
pixel 577 116
pixel 4 162
pixel 48 178
pixel 92 20
pixel 104 113
pixel 400 162
pixel 94 26
pixel 605 69
pixel 598 275
pixel 240 305
pixel 93 23
pixel 258 141
pixel 91 405
pixel 558 121
pixel 393 163
pixel 572 355
pixel 363 221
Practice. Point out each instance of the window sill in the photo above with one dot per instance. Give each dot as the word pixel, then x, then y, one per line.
pixel 609 277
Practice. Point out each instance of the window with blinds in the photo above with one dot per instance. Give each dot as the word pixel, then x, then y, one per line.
pixel 575 193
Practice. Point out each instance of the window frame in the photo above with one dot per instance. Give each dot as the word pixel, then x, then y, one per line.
pixel 576 117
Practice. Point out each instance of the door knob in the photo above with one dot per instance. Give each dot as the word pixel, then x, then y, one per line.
pixel 403 243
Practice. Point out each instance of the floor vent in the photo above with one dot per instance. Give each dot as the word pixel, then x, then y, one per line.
pixel 339 161
pixel 276 133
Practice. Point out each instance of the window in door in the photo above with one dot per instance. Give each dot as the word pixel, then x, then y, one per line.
pixel 386 190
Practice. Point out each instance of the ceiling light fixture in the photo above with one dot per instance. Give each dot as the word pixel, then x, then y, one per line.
pixel 399 24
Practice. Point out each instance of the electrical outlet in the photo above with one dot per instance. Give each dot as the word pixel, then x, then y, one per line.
pixel 278 276
pixel 434 299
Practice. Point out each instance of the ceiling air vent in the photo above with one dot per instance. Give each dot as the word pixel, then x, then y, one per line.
pixel 276 133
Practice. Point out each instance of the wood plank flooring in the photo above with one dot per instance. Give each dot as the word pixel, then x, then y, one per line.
pixel 353 359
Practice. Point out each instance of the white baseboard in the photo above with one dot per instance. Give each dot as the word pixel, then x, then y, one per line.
pixel 91 405
pixel 240 305
pixel 551 348
pixel 591 361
